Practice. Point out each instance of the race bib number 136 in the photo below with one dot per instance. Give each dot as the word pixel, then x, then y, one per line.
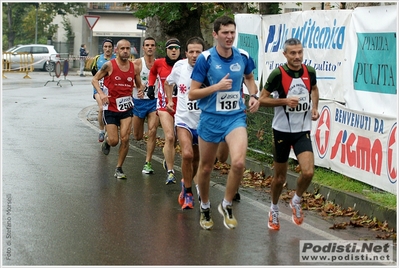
pixel 227 101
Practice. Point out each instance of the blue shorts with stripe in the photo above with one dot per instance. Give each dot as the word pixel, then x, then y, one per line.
pixel 194 133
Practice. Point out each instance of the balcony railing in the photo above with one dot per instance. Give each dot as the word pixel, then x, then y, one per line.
pixel 111 6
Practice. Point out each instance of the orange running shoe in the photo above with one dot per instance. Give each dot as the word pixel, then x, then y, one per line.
pixel 297 215
pixel 182 193
pixel 273 222
pixel 188 201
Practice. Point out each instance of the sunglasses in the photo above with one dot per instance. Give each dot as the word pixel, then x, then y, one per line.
pixel 173 47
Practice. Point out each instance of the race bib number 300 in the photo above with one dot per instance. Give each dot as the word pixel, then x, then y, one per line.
pixel 124 103
pixel 227 101
pixel 303 104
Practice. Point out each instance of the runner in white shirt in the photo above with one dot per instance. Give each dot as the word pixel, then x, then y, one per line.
pixel 186 117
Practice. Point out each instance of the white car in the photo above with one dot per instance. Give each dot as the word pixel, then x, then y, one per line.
pixel 44 56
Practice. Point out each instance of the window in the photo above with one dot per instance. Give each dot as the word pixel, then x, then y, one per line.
pixel 39 50
pixel 287 10
pixel 23 50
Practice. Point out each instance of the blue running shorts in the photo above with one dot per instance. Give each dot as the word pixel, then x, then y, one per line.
pixel 193 132
pixel 215 128
pixel 143 107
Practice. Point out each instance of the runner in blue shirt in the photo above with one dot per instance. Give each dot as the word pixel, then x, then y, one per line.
pixel 217 85
pixel 108 48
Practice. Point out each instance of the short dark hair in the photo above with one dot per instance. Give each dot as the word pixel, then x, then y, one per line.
pixel 195 40
pixel 291 42
pixel 224 20
pixel 148 38
pixel 109 41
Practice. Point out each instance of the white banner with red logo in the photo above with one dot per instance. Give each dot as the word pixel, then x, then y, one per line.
pixel 357 144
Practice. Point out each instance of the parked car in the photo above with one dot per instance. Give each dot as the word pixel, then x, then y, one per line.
pixel 44 56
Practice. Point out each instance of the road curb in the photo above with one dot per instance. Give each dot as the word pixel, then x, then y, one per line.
pixel 341 198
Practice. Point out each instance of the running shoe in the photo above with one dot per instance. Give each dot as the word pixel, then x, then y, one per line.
pixel 228 218
pixel 119 173
pixel 182 193
pixel 206 221
pixel 147 169
pixel 105 146
pixel 170 178
pixel 101 137
pixel 237 197
pixel 188 201
pixel 297 215
pixel 273 222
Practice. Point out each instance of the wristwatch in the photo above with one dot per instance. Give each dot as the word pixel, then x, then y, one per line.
pixel 254 96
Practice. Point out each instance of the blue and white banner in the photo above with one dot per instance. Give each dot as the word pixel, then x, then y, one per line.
pixel 324 36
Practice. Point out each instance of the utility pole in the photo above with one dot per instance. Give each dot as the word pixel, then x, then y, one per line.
pixel 37 9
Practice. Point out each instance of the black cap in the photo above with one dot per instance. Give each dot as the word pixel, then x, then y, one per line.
pixel 172 41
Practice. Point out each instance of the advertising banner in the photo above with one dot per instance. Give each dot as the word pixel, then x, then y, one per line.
pixel 359 145
pixel 354 53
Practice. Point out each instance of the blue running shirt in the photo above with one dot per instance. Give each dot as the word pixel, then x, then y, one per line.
pixel 210 68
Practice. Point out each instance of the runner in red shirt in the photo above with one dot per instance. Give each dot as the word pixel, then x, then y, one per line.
pixel 160 70
pixel 119 77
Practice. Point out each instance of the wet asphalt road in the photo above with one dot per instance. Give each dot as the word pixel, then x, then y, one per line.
pixel 63 206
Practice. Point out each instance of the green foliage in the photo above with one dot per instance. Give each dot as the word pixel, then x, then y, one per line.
pixel 19 20
pixel 336 180
pixel 171 12
pixel 69 33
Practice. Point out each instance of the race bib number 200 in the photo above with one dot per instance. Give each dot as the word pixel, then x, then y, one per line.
pixel 227 101
pixel 124 103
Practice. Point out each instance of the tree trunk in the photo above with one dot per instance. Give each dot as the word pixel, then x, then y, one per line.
pixel 187 27
pixel 11 33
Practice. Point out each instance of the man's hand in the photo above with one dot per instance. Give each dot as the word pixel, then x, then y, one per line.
pixel 225 83
pixel 292 102
pixel 104 99
pixel 140 93
pixel 253 105
pixel 151 92
pixel 169 106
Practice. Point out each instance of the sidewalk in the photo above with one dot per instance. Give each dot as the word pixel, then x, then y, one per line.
pixel 343 199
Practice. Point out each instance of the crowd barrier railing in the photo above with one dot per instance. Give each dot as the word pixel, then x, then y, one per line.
pixel 24 64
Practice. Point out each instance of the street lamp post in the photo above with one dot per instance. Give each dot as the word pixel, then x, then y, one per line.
pixel 37 9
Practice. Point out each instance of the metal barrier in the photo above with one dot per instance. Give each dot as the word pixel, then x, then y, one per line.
pixel 57 73
pixel 25 63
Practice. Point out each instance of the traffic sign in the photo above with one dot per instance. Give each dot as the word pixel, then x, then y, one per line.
pixel 91 20
pixel 141 27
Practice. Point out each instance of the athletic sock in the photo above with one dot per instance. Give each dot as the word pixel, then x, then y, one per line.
pixel 226 203
pixel 188 190
pixel 205 205
pixel 296 199
pixel 274 207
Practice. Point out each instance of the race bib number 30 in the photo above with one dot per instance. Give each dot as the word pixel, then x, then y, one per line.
pixel 124 103
pixel 227 101
pixel 192 106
